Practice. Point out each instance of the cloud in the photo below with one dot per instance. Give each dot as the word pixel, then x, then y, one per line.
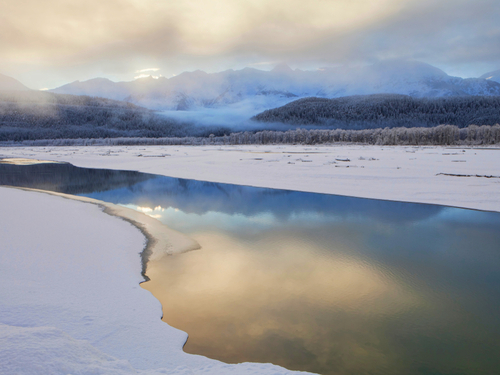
pixel 121 36
pixel 146 76
pixel 450 32
pixel 59 30
pixel 147 70
pixel 265 63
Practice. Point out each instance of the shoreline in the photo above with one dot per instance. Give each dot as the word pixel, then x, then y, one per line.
pixel 160 239
pixel 427 174
pixel 71 300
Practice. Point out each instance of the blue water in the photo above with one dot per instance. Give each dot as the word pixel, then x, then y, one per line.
pixel 313 282
pixel 326 283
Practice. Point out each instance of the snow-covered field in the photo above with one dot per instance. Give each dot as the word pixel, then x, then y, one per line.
pixel 71 273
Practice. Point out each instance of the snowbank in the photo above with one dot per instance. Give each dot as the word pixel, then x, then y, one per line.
pixel 162 240
pixel 69 273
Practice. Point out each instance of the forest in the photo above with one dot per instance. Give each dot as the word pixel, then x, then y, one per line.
pixel 386 110
pixel 30 115
pixel 447 135
pixel 39 118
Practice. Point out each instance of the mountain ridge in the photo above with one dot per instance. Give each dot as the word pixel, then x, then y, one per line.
pixel 267 89
pixel 493 76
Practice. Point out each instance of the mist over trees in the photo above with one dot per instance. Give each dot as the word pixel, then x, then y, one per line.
pixel 46 118
pixel 386 110
pixel 39 115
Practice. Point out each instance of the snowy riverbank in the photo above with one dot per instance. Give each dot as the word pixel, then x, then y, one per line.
pixel 67 266
pixel 71 273
pixel 439 175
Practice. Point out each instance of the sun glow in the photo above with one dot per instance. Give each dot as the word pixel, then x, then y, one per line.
pixel 147 70
pixel 150 211
pixel 146 76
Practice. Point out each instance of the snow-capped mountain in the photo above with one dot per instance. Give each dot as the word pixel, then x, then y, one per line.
pixel 11 84
pixel 102 87
pixel 492 76
pixel 415 79
pixel 266 89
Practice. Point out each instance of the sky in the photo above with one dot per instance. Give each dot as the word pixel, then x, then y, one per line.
pixel 45 44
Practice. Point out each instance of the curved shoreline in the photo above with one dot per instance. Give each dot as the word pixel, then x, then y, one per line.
pixel 160 239
pixel 75 304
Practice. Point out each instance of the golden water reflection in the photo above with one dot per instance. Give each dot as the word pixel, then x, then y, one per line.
pixel 24 161
pixel 281 298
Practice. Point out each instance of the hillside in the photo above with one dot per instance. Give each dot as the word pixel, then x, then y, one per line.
pixel 41 115
pixel 385 110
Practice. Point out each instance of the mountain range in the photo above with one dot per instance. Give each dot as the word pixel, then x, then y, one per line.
pixel 268 89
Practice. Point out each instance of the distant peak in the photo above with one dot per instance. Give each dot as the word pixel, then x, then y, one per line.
pixel 98 79
pixel 194 73
pixel 282 68
pixel 410 67
pixel 492 76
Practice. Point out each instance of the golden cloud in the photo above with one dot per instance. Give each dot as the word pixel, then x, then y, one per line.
pixel 60 29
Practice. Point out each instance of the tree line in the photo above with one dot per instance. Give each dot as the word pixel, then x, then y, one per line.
pixel 386 110
pixel 446 135
pixel 57 118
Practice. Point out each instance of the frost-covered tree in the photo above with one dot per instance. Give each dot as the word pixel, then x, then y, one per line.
pixel 386 110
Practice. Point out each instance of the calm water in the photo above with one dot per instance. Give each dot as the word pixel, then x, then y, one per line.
pixel 314 282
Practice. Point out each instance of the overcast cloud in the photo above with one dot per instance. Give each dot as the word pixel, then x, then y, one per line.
pixel 48 43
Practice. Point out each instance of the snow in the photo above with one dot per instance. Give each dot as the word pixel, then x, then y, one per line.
pixel 494 76
pixel 191 91
pixel 70 302
pixel 71 273
pixel 402 173
pixel 166 241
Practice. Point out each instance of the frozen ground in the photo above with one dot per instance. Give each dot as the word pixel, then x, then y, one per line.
pixel 70 273
pixel 411 174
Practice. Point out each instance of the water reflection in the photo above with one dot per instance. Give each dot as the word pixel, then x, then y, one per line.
pixel 24 161
pixel 340 298
pixel 278 299
pixel 201 197
pixel 64 177
pixel 314 282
